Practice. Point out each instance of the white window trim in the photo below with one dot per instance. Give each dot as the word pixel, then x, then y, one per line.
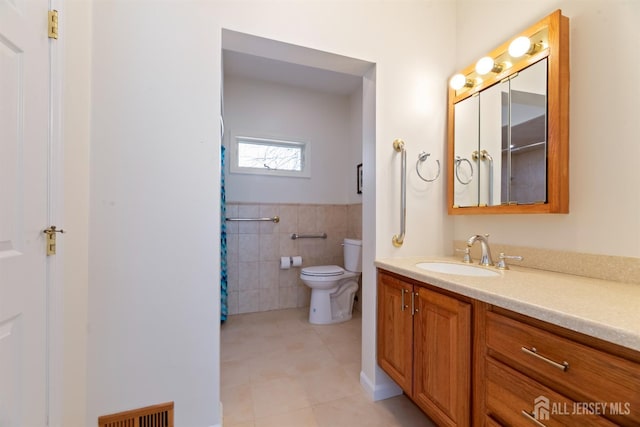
pixel 234 162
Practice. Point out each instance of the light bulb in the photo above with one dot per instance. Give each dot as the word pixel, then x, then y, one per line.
pixel 484 65
pixel 458 82
pixel 519 46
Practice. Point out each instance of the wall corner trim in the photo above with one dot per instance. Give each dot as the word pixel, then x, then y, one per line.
pixel 379 391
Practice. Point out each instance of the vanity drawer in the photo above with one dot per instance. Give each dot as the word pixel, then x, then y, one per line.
pixel 573 369
pixel 490 422
pixel 512 399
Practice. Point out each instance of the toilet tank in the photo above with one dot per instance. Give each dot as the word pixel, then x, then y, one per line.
pixel 353 255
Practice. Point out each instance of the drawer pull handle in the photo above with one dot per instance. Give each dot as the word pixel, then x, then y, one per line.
pixel 402 306
pixel 532 418
pixel 413 303
pixel 533 352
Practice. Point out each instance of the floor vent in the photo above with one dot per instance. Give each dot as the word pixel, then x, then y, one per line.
pixel 151 416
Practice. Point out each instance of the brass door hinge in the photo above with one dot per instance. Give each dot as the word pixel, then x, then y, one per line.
pixel 52 24
pixel 51 239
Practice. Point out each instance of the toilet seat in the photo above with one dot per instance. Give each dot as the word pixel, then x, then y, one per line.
pixel 323 271
pixel 325 275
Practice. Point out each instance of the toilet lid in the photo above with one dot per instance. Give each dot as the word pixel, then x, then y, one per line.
pixel 323 270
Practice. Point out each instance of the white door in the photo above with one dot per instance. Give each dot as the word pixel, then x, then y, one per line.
pixel 24 135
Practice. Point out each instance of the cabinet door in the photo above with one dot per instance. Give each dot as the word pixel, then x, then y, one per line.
pixel 395 330
pixel 442 352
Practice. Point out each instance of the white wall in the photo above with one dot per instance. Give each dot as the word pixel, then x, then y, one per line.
pixel 75 38
pixel 154 210
pixel 153 268
pixel 354 151
pixel 266 109
pixel 604 149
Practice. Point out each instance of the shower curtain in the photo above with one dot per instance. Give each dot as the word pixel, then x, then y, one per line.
pixel 223 241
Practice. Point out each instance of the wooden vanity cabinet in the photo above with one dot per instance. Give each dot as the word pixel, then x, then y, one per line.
pixel 465 362
pixel 528 366
pixel 424 344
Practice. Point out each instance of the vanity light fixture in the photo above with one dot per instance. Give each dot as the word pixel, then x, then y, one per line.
pixel 486 64
pixel 522 45
pixel 509 58
pixel 459 81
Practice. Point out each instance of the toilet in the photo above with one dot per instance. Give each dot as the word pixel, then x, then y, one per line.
pixel 333 288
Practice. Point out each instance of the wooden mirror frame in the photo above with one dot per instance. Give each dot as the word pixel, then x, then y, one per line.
pixel 557 53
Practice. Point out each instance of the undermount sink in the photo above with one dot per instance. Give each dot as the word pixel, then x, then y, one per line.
pixel 460 269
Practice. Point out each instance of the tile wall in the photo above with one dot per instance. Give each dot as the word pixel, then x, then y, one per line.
pixel 256 282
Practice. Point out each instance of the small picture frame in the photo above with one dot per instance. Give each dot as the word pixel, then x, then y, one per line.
pixel 359 178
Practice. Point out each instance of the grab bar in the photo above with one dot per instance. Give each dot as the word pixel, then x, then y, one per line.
pixel 398 146
pixel 295 236
pixel 275 219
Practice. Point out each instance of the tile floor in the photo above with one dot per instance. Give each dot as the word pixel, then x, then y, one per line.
pixel 279 370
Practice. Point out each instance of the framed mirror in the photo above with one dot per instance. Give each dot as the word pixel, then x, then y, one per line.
pixel 508 126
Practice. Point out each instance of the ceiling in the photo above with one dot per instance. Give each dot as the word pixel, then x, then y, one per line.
pixel 276 71
pixel 275 61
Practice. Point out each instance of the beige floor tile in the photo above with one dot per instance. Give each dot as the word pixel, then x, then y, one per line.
pixel 280 342
pixel 346 351
pixel 300 340
pixel 279 370
pixel 296 320
pixel 247 424
pixel 278 397
pixel 353 370
pixel 234 373
pixel 309 361
pixel 298 418
pixel 269 367
pixel 351 411
pixel 329 384
pixel 237 404
pixel 404 412
pixel 236 350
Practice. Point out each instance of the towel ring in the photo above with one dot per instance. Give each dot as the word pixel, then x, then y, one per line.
pixel 458 161
pixel 422 157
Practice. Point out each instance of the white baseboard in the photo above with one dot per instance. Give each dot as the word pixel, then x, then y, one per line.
pixel 379 391
pixel 221 418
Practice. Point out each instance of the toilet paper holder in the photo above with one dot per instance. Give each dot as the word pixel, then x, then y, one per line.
pixel 287 262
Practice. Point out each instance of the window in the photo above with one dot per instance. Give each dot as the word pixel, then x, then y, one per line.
pixel 265 156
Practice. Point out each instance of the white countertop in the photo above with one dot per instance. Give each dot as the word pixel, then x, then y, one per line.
pixel 598 308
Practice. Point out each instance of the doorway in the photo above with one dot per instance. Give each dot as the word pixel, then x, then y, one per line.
pixel 254 67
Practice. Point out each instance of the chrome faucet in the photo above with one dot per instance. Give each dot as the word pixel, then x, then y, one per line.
pixel 485 258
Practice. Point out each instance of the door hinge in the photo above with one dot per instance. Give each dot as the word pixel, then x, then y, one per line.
pixel 52 24
pixel 51 239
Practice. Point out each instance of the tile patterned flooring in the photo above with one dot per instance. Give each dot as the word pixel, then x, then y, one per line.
pixel 279 370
